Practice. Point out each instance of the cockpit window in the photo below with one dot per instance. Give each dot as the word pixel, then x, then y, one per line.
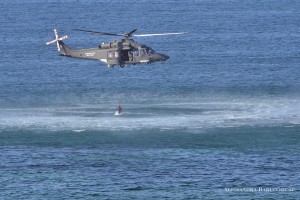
pixel 147 51
pixel 136 52
pixel 143 52
pixel 150 51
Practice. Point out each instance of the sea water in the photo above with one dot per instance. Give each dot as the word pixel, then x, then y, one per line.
pixel 219 120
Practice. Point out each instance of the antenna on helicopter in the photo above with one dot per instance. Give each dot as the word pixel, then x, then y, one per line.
pixel 57 39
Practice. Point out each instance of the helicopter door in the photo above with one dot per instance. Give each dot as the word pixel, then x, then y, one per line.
pixel 124 55
pixel 127 55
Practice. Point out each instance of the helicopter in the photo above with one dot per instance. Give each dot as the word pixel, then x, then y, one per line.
pixel 122 52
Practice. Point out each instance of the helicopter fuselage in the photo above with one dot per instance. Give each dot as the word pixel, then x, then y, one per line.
pixel 119 52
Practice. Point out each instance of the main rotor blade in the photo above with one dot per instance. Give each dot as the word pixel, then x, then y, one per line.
pixel 130 33
pixel 158 34
pixel 100 33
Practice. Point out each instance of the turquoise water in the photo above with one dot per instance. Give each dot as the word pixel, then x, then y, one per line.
pixel 219 120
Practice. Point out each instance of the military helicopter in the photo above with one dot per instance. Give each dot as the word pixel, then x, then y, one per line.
pixel 120 52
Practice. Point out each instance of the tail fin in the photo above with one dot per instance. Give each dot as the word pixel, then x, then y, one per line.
pixel 65 50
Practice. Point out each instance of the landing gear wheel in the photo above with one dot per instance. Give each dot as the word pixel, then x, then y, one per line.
pixel 122 66
pixel 111 66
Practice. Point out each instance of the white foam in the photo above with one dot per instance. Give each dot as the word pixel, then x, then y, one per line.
pixel 222 111
pixel 79 130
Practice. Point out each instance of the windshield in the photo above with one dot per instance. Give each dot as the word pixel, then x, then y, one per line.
pixel 150 51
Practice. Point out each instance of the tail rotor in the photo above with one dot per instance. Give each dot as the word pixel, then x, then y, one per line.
pixel 57 39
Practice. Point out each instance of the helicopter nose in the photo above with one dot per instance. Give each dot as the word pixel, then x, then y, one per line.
pixel 158 57
pixel 163 57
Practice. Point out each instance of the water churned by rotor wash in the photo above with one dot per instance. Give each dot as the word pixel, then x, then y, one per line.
pixel 199 113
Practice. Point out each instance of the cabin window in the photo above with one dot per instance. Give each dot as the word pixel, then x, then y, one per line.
pixel 113 54
pixel 110 54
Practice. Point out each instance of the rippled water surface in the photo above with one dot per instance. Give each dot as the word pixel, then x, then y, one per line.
pixel 218 120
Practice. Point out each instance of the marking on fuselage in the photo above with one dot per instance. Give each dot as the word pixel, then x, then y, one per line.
pixel 90 54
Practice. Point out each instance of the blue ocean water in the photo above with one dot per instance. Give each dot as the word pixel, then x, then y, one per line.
pixel 219 120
